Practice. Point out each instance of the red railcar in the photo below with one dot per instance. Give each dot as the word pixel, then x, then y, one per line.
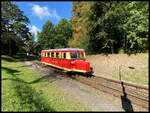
pixel 69 59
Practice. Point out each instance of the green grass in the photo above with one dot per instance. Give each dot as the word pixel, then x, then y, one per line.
pixel 133 68
pixel 25 90
pixel 135 76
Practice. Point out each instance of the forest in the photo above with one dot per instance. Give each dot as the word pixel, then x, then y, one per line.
pixel 97 26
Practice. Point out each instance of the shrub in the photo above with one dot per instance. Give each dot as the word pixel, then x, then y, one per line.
pixel 121 50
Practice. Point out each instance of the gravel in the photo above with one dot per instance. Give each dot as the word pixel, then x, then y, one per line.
pixel 87 98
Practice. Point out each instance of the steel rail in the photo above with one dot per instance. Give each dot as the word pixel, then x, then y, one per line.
pixel 135 99
pixel 125 83
pixel 98 83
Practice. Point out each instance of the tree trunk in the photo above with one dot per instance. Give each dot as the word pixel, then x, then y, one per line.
pixel 10 51
pixel 125 43
pixel 112 48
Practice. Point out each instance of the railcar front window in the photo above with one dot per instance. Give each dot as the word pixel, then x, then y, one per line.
pixel 77 55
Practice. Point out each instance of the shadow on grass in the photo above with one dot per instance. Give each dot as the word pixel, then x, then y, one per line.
pixel 16 72
pixel 46 77
pixel 18 58
pixel 10 71
pixel 9 59
pixel 28 98
pixel 30 58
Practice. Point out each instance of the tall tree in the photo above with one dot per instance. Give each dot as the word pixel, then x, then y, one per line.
pixel 63 33
pixel 29 46
pixel 78 20
pixel 105 19
pixel 110 26
pixel 14 25
pixel 45 39
pixel 136 25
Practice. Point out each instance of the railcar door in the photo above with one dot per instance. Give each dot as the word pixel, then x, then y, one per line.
pixel 64 60
pixel 61 59
pixel 52 58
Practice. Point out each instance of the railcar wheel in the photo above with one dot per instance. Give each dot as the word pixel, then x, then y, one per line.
pixel 90 73
pixel 91 70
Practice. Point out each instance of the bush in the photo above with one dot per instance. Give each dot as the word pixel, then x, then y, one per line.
pixel 121 50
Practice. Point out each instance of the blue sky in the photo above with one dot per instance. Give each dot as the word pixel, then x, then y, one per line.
pixel 39 12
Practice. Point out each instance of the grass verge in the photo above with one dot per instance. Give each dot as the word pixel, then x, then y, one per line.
pixel 132 68
pixel 24 90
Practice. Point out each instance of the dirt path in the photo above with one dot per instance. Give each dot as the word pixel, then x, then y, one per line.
pixel 78 90
pixel 89 99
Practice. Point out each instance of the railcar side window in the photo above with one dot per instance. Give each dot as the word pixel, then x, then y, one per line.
pixel 52 55
pixel 47 54
pixel 64 55
pixel 57 55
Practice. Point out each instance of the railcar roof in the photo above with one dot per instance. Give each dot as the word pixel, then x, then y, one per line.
pixel 65 49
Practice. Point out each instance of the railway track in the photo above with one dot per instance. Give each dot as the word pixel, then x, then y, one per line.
pixel 136 94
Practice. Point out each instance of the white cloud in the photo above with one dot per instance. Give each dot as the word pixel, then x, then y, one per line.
pixel 43 12
pixel 34 30
pixel 55 15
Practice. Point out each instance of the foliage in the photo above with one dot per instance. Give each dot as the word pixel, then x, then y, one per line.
pixel 98 27
pixel 63 33
pixel 14 28
pixel 110 26
pixel 105 21
pixel 54 36
pixel 136 24
pixel 78 20
pixel 121 50
pixel 25 90
pixel 45 39
pixel 29 46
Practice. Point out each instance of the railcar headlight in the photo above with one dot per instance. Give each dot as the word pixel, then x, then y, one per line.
pixel 72 62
